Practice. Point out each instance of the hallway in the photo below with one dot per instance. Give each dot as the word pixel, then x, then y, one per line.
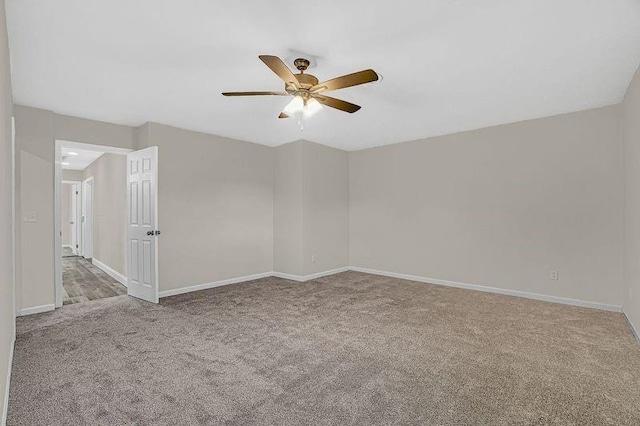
pixel 82 281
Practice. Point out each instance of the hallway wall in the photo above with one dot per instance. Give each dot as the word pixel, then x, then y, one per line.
pixel 110 210
pixel 65 216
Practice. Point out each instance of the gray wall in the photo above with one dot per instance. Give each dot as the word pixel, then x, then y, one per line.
pixel 109 174
pixel 325 208
pixel 631 138
pixel 7 319
pixel 498 207
pixel 311 193
pixel 215 200
pixel 36 132
pixel 65 216
pixel 73 175
pixel 287 195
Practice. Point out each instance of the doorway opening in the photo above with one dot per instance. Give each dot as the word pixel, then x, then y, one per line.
pixel 92 199
pixel 106 222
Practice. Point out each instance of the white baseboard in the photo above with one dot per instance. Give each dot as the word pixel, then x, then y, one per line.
pixel 633 328
pixel 5 407
pixel 476 287
pixel 507 292
pixel 110 271
pixel 36 310
pixel 303 278
pixel 206 286
pixel 220 283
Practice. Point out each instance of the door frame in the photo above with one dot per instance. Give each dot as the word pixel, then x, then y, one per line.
pixel 57 182
pixel 76 219
pixel 83 228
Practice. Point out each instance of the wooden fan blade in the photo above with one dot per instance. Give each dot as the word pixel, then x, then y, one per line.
pixel 337 104
pixel 280 68
pixel 255 94
pixel 283 115
pixel 360 77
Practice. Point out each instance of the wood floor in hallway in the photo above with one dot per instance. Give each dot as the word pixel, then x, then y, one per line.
pixel 82 281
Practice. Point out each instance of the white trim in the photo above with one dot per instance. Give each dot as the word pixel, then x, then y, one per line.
pixel 507 292
pixel 5 407
pixel 435 281
pixel 59 143
pixel 303 278
pixel 36 310
pixel 633 328
pixel 87 146
pixel 110 271
pixel 206 286
pixel 14 224
pixel 57 227
pixel 91 221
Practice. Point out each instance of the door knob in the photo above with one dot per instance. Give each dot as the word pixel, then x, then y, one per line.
pixel 149 232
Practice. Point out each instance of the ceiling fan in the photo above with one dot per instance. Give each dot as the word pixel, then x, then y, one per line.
pixel 308 93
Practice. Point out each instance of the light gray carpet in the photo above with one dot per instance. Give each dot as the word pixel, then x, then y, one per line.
pixel 347 349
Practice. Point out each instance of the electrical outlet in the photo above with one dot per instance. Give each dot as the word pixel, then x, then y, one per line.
pixel 553 275
pixel 314 259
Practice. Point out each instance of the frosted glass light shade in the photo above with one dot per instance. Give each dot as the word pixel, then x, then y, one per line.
pixel 294 107
pixel 312 107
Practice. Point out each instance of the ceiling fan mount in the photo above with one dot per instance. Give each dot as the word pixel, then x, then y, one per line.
pixel 301 64
pixel 306 89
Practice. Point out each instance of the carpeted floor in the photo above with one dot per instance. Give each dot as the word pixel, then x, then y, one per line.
pixel 347 349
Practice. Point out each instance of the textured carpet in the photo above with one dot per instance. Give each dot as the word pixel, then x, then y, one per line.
pixel 347 349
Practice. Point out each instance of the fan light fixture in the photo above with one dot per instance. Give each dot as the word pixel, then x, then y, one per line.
pixel 300 109
pixel 307 91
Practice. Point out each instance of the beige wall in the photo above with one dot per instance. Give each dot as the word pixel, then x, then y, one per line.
pixel 311 205
pixel 34 193
pixel 109 174
pixel 325 193
pixel 215 198
pixel 36 132
pixel 287 219
pixel 631 138
pixel 498 207
pixel 73 175
pixel 65 213
pixel 7 319
pixel 94 132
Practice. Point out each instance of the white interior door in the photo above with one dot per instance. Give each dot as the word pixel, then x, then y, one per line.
pixel 142 233
pixel 73 217
pixel 87 218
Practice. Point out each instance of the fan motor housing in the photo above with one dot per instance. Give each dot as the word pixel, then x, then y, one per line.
pixel 306 80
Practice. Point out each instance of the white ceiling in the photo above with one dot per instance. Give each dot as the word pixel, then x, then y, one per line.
pixel 78 159
pixel 448 65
